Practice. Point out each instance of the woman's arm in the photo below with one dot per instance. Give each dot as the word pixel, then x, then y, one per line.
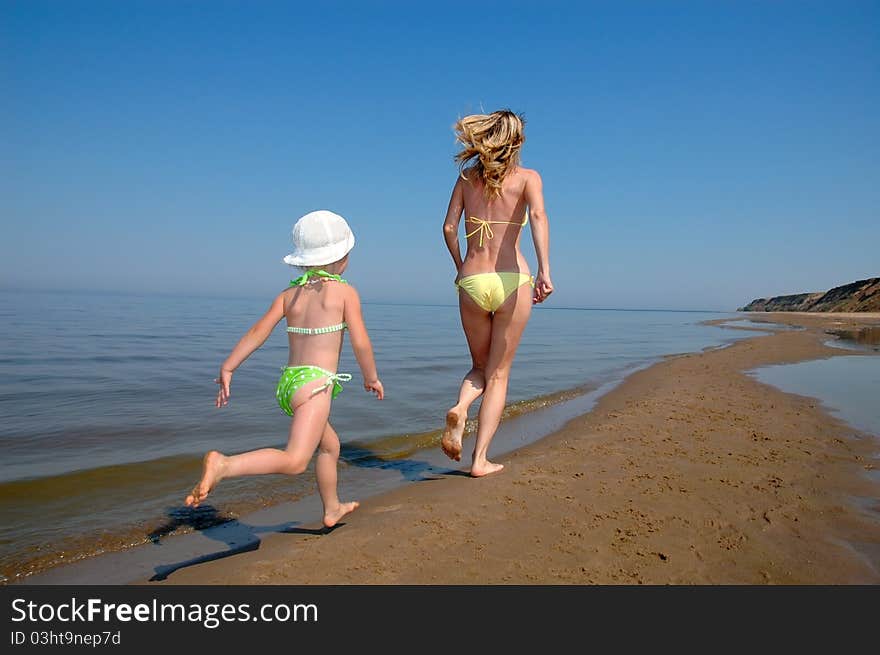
pixel 253 339
pixel 360 342
pixel 540 235
pixel 450 224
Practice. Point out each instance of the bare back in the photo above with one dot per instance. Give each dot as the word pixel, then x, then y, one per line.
pixel 318 304
pixel 493 227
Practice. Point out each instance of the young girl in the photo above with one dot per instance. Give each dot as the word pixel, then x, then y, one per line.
pixel 497 197
pixel 319 305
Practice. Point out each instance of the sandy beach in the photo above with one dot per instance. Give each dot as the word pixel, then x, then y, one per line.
pixel 689 472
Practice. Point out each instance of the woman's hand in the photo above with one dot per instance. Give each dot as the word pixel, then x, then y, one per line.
pixel 376 387
pixel 224 381
pixel 543 288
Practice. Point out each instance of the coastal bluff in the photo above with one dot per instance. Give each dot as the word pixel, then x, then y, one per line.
pixel 860 296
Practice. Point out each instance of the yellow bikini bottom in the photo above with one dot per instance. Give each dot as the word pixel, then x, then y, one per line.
pixel 490 290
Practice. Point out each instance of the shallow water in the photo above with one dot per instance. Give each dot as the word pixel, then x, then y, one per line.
pixel 106 404
pixel 866 338
pixel 849 386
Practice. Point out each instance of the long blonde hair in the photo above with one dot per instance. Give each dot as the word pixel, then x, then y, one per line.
pixel 492 144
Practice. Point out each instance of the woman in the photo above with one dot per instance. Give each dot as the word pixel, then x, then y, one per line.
pixel 497 196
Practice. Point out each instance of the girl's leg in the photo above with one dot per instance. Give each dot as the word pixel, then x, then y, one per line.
pixel 325 471
pixel 477 324
pixel 507 328
pixel 306 430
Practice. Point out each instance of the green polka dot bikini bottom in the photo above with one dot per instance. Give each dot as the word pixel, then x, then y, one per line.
pixel 293 378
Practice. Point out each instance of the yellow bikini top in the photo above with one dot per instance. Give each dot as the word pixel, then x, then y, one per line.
pixel 484 227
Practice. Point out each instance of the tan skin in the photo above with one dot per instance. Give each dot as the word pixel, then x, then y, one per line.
pixel 318 304
pixel 493 337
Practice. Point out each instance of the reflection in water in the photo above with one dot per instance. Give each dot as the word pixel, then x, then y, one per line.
pixel 866 337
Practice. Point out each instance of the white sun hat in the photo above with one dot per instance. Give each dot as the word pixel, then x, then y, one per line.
pixel 320 237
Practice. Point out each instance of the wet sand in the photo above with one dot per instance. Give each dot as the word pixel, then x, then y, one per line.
pixel 690 472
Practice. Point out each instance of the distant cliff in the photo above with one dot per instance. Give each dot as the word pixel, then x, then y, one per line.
pixel 861 296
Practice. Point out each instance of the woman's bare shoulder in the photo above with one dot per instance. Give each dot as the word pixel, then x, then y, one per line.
pixel 468 177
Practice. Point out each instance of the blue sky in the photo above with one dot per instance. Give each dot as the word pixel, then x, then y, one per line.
pixel 695 155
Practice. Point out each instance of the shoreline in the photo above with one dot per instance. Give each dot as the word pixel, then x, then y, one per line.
pixel 176 537
pixel 688 471
pixel 524 422
pixel 129 494
pixel 393 452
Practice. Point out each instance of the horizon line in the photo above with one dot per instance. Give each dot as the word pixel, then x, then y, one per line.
pixel 185 294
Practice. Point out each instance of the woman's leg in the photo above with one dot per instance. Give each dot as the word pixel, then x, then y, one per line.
pixel 325 472
pixel 507 328
pixel 306 430
pixel 477 325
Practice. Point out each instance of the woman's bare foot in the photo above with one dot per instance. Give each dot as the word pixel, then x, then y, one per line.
pixel 486 468
pixel 331 517
pixel 452 434
pixel 212 473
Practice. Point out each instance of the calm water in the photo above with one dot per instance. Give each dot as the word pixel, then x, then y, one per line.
pixel 865 339
pixel 848 386
pixel 106 402
pixel 763 325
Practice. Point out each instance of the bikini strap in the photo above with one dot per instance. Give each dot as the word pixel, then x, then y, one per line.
pixel 332 378
pixel 321 330
pixel 304 279
pixel 484 227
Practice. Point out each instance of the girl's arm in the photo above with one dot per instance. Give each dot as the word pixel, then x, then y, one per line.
pixel 253 339
pixel 540 235
pixel 450 223
pixel 360 342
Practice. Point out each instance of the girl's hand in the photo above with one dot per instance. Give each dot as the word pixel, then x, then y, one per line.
pixel 543 288
pixel 376 387
pixel 224 381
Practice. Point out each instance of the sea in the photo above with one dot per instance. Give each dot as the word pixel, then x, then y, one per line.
pixel 107 406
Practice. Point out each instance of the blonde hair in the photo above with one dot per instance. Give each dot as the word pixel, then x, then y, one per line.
pixel 492 144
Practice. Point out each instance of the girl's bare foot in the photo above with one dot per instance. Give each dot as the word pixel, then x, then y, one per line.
pixel 452 434
pixel 486 468
pixel 212 472
pixel 331 517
